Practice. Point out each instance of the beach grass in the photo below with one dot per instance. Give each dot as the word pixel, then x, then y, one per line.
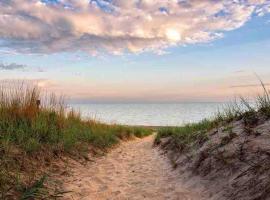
pixel 192 133
pixel 37 126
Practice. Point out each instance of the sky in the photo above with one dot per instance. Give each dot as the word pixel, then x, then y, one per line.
pixel 137 50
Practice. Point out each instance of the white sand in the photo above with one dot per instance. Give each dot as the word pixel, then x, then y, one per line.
pixel 133 171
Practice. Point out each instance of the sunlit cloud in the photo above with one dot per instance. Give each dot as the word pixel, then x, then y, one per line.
pixel 118 26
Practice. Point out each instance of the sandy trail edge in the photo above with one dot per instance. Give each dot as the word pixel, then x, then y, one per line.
pixel 133 171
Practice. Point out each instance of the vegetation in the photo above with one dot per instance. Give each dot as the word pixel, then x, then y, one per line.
pixel 33 134
pixel 186 135
pixel 194 133
pixel 231 149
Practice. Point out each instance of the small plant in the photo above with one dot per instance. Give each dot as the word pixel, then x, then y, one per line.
pixel 37 190
pixel 263 101
pixel 228 129
pixel 31 145
pixel 250 118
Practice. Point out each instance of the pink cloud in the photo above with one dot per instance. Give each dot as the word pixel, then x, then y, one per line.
pixel 135 26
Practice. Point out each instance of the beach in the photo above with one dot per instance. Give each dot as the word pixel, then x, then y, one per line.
pixel 135 170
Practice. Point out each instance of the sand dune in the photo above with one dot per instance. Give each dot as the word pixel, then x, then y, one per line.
pixel 134 171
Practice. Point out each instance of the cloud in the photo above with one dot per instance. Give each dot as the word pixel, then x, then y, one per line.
pixel 240 71
pixel 12 66
pixel 118 26
pixel 17 83
pixel 249 85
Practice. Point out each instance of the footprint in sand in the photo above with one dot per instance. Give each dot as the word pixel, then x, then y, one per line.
pixel 134 171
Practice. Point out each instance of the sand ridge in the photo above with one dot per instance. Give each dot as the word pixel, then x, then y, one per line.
pixel 133 171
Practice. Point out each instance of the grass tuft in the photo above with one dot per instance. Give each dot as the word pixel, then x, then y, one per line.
pixel 34 126
pixel 186 135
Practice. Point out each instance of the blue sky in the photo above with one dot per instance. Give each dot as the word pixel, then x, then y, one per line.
pixel 214 66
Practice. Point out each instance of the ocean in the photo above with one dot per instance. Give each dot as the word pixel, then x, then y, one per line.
pixel 164 114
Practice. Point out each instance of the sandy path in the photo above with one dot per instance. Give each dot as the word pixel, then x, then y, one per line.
pixel 134 171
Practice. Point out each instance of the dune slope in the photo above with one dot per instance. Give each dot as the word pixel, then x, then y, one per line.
pixel 233 163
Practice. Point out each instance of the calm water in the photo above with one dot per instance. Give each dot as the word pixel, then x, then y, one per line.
pixel 148 114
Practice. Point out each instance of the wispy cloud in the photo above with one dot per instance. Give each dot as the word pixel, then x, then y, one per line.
pixel 240 71
pixel 12 66
pixel 117 26
pixel 15 83
pixel 249 85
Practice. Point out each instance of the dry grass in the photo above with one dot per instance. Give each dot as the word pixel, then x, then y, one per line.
pixel 31 134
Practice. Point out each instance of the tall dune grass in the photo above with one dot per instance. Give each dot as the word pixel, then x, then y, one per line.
pixel 30 126
pixel 28 129
pixel 250 112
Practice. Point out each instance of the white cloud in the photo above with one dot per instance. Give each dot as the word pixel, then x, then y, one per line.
pixel 116 26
